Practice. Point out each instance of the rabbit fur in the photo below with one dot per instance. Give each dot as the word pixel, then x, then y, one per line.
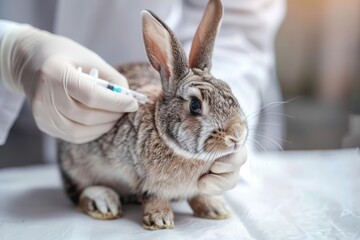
pixel 158 153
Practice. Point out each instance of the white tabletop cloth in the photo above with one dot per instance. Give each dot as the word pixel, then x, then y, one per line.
pixel 292 195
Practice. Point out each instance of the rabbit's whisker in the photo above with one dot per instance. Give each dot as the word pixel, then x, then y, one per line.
pixel 267 137
pixel 264 124
pixel 267 107
pixel 257 145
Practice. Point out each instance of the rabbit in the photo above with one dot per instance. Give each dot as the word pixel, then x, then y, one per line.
pixel 157 154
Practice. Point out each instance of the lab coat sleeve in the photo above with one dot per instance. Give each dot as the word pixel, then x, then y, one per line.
pixel 244 48
pixel 10 103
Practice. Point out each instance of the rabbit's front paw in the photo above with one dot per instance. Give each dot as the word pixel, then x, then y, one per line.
pixel 158 220
pixel 209 207
pixel 100 202
pixel 157 214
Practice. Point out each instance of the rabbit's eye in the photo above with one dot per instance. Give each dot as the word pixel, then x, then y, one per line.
pixel 195 106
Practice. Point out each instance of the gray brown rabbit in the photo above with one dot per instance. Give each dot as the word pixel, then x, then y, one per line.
pixel 158 153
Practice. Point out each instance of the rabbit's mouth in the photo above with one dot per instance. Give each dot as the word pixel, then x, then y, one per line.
pixel 228 141
pixel 220 150
pixel 236 146
pixel 235 143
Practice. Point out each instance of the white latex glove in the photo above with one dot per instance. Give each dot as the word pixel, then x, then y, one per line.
pixel 65 103
pixel 224 173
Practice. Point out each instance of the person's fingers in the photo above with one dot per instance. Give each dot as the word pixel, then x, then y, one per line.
pixel 83 88
pixel 110 74
pixel 106 71
pixel 216 184
pixel 230 163
pixel 52 122
pixel 78 112
pixel 73 132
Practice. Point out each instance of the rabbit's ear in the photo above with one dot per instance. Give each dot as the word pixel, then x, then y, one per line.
pixel 203 43
pixel 164 51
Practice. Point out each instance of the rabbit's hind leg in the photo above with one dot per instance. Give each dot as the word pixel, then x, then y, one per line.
pixel 100 202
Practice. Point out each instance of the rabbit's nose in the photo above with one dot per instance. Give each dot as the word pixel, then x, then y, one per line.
pixel 237 130
pixel 236 135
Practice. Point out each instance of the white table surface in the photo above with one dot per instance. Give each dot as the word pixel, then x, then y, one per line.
pixel 292 195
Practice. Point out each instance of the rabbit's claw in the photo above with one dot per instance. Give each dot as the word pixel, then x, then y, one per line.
pixel 101 203
pixel 158 220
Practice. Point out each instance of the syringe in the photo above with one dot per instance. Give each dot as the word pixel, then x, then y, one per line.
pixel 141 98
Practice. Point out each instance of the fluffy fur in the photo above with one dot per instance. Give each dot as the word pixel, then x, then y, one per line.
pixel 158 153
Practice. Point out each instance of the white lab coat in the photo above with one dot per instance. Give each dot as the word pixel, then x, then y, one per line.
pixel 243 55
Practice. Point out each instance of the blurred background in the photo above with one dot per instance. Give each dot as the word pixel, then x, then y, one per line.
pixel 318 66
pixel 318 61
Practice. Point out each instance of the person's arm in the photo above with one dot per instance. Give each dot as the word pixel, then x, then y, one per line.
pixel 10 102
pixel 66 104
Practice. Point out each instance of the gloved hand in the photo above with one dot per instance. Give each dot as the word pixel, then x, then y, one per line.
pixel 224 173
pixel 65 103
